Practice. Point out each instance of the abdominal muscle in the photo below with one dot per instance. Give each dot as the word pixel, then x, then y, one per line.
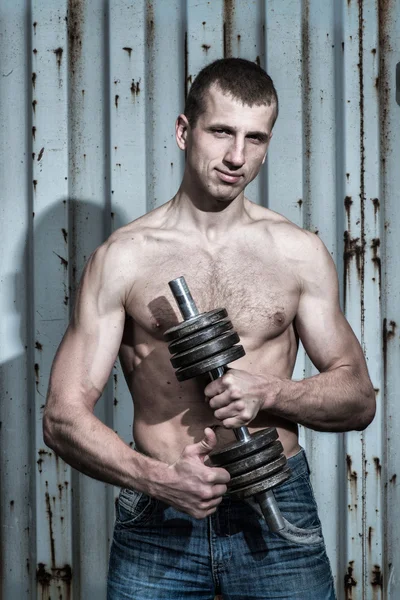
pixel 169 415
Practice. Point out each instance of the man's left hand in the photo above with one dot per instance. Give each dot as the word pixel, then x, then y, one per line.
pixel 237 396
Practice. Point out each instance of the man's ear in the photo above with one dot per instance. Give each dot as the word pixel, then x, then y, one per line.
pixel 181 131
pixel 265 155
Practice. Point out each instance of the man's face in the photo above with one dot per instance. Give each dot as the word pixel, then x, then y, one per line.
pixel 228 145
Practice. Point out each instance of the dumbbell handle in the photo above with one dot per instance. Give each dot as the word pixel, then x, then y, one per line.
pixel 188 309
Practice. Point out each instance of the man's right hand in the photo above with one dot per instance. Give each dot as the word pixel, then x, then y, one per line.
pixel 191 486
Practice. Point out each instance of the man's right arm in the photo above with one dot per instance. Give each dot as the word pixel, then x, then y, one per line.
pixel 79 374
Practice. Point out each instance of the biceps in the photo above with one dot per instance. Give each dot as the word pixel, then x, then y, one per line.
pixel 326 335
pixel 85 358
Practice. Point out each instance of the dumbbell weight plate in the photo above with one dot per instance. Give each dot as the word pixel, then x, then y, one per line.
pixel 204 366
pixel 194 324
pixel 263 456
pixel 208 333
pixel 206 350
pixel 262 486
pixel 240 449
pixel 255 475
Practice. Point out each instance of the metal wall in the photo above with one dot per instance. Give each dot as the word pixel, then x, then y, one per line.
pixel 89 91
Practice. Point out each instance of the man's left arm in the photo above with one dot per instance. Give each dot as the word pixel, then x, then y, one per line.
pixel 340 397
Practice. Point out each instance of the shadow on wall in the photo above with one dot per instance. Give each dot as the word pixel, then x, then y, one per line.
pixel 38 298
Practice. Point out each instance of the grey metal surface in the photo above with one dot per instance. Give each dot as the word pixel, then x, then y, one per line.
pixel 89 92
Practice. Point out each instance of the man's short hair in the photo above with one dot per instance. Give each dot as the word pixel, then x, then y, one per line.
pixel 240 78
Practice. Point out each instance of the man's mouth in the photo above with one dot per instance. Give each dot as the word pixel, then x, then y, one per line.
pixel 228 177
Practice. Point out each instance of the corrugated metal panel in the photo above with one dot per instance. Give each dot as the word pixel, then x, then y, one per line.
pixel 88 96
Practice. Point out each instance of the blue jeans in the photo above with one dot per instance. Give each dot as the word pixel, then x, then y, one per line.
pixel 159 553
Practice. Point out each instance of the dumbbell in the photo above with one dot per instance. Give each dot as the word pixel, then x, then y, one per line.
pixel 205 343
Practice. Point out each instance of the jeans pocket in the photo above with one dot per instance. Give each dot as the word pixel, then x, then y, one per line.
pixel 297 503
pixel 133 508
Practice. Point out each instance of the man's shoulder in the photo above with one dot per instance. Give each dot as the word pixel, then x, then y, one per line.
pixel 283 231
pixel 130 237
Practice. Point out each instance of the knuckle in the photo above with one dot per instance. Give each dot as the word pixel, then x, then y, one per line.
pixel 205 494
pixel 228 380
pixel 236 392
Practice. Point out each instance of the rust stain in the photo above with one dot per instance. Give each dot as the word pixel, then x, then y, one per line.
pixel 34 185
pixel 36 368
pixel 135 87
pixel 205 48
pixel 150 24
pixel 375 244
pixel 349 581
pixel 188 78
pixel 393 479
pixel 66 300
pixel 11 504
pixel 40 154
pixel 34 103
pixel 362 157
pixel 306 40
pixel 75 21
pixel 352 475
pixel 385 18
pixel 34 80
pixel 377 577
pixel 229 9
pixel 116 101
pixel 65 234
pixel 128 50
pixel 34 132
pixel 34 51
pixel 353 248
pixel 64 262
pixel 387 334
pixel 370 534
pixel 376 204
pixel 347 205
pixel 50 519
pixel 38 346
pixel 58 52
pixel 34 27
pixel 61 576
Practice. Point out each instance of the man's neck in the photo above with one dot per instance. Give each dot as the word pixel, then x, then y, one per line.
pixel 209 216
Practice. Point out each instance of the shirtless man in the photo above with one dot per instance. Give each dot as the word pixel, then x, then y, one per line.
pixel 178 535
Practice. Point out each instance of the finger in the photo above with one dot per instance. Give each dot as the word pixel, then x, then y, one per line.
pixel 217 476
pixel 215 387
pixel 220 400
pixel 233 409
pixel 204 447
pixel 233 422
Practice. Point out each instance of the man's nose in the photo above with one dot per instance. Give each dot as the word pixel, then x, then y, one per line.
pixel 235 154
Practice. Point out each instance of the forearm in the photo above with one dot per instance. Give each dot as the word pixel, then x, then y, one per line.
pixel 85 443
pixel 336 400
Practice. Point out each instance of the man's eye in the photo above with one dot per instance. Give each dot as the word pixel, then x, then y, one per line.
pixel 221 131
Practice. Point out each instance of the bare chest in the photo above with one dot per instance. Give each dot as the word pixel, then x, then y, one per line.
pixel 260 296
